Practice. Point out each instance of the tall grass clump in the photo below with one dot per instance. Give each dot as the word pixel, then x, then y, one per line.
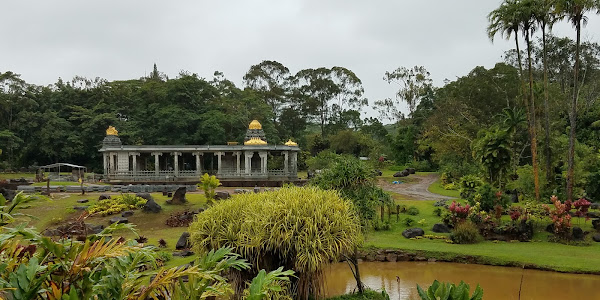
pixel 299 228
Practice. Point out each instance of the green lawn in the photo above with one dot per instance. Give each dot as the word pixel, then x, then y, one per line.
pixel 437 188
pixel 60 208
pixel 540 252
pixel 6 176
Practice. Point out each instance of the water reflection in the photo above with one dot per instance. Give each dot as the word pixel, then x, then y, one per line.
pixel 400 280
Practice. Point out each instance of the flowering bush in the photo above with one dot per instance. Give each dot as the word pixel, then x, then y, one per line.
pixel 458 213
pixel 559 214
pixel 582 206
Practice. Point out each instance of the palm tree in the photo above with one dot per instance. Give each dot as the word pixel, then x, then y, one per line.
pixel 511 17
pixel 574 11
pixel 544 16
pixel 513 119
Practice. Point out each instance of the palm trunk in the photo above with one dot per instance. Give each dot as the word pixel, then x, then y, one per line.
pixel 532 124
pixel 573 117
pixel 546 109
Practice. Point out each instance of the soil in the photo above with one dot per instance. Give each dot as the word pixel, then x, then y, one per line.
pixel 416 188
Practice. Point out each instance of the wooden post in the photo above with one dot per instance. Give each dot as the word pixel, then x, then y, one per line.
pixel 48 187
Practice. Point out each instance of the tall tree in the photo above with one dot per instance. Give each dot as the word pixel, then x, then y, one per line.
pixel 543 15
pixel 270 79
pixel 575 12
pixel 413 84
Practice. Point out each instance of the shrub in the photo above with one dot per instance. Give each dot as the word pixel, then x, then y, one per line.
pixel 468 185
pixel 465 233
pixel 117 204
pixel 449 291
pixel 488 197
pixel 559 214
pixel 209 184
pixel 458 213
pixel 413 211
pixel 451 186
pixel 378 225
pixel 409 222
pixel 437 212
pixel 282 226
pixel 446 178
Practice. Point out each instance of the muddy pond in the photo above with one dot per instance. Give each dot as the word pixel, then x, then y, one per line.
pixel 400 280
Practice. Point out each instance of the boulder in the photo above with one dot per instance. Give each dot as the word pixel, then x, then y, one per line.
pixel 94 229
pixel 146 196
pixel 391 257
pixel 380 257
pixel 596 224
pixel 83 201
pixel 411 170
pixel 593 214
pixel 403 173
pixel 179 196
pixel 118 220
pixel 127 213
pixel 183 242
pixel 514 197
pixel 595 206
pixel 256 189
pixel 578 233
pixel 377 172
pixel 222 195
pixel 412 232
pixel 596 237
pixel 9 195
pixel 440 228
pixel 550 228
pixel 183 253
pixel 151 206
pixel 104 196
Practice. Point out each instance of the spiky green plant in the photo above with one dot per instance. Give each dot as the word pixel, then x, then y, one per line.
pixel 299 228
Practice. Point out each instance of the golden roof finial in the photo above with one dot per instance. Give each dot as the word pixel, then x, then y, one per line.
pixel 111 131
pixel 254 125
pixel 254 142
pixel 290 143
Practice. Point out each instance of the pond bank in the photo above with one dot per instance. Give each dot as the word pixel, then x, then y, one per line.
pixel 396 255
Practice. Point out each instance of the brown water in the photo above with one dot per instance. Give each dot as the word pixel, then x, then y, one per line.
pixel 400 280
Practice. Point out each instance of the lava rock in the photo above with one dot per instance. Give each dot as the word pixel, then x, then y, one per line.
pixel 146 196
pixel 9 195
pixel 94 229
pixel 578 233
pixel 596 224
pixel 593 214
pixel 151 206
pixel 127 213
pixel 413 232
pixel 222 195
pixel 403 173
pixel 183 242
pixel 596 237
pixel 391 257
pixel 440 228
pixel 183 253
pixel 595 206
pixel 550 228
pixel 103 197
pixel 411 170
pixel 179 196
pixel 377 172
pixel 118 220
pixel 83 201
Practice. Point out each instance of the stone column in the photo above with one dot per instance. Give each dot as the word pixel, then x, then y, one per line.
pixel 105 162
pixel 286 162
pixel 134 162
pixel 263 162
pixel 248 162
pixel 218 154
pixel 238 154
pixel 176 162
pixel 156 162
pixel 294 163
pixel 111 161
pixel 198 167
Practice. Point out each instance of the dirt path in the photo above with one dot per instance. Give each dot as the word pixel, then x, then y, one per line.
pixel 416 189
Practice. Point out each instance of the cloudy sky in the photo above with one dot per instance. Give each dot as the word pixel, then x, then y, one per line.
pixel 114 39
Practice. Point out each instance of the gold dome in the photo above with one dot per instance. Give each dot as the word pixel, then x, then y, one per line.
pixel 290 143
pixel 254 125
pixel 111 131
pixel 255 141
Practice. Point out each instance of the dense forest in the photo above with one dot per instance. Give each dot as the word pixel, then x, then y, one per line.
pixel 474 124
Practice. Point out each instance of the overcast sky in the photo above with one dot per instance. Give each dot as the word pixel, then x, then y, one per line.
pixel 43 40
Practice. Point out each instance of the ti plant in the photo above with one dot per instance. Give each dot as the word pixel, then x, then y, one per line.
pixel 449 291
pixel 209 184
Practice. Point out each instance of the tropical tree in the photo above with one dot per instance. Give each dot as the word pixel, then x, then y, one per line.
pixel 492 151
pixel 413 84
pixel 512 120
pixel 271 80
pixel 575 12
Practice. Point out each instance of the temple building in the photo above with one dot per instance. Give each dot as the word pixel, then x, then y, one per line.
pixel 255 160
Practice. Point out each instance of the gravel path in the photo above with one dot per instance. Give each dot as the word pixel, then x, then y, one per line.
pixel 417 189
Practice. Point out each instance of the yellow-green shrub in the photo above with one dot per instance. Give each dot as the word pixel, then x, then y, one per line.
pixel 302 228
pixel 117 204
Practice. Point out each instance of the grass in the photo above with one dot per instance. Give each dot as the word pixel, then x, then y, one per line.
pixel 60 208
pixel 539 251
pixel 437 188
pixel 6 176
